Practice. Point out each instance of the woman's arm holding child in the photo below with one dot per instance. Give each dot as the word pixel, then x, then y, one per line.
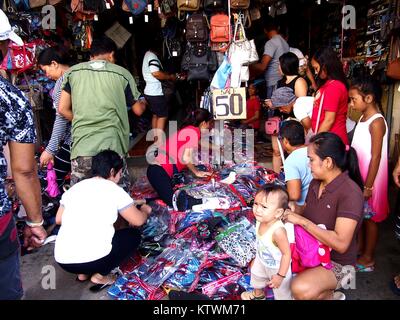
pixel 338 239
pixel 281 240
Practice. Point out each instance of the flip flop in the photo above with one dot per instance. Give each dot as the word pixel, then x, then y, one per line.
pixel 98 287
pixel 361 268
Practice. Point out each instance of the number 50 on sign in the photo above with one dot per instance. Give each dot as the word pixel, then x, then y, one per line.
pixel 229 104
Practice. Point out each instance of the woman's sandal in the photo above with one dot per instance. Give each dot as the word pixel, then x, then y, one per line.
pixel 361 268
pixel 100 286
pixel 249 295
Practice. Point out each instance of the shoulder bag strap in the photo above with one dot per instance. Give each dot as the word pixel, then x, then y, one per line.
pixel 321 102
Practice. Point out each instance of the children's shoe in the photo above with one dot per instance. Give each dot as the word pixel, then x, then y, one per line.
pixel 249 295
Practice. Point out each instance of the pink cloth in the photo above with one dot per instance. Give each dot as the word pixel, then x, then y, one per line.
pixel 335 100
pixel 362 142
pixel 52 187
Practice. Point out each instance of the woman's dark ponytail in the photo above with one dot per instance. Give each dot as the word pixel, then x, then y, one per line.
pixel 328 144
pixel 353 167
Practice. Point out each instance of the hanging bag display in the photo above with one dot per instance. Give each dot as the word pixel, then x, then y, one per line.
pixel 187 5
pixel 41 3
pixel 21 58
pixel 197 28
pixel 240 4
pixel 222 75
pixel 136 7
pixel 210 5
pixel 393 69
pixel 199 61
pixel 219 28
pixel 167 6
pixel 241 53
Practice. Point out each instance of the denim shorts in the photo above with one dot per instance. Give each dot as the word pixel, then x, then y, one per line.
pixel 10 278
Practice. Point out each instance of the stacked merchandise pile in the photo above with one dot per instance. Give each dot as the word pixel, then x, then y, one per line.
pixel 374 34
pixel 376 47
pixel 204 253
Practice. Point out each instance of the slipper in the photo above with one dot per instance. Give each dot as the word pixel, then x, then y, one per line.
pixel 394 288
pixel 361 268
pixel 98 287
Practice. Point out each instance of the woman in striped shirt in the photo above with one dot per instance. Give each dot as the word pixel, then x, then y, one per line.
pixel 55 62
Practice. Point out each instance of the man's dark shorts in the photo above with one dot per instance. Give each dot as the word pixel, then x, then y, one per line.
pixel 158 105
pixel 10 278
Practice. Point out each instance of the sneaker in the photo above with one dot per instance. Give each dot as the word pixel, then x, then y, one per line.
pixel 249 295
pixel 338 295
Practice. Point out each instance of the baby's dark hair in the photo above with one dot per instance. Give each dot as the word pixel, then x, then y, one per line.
pixel 273 188
pixel 369 86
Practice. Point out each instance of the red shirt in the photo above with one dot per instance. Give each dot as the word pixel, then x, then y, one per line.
pixel 171 153
pixel 252 106
pixel 335 100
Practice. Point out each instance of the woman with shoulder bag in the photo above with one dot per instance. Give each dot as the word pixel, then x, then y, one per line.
pixel 330 104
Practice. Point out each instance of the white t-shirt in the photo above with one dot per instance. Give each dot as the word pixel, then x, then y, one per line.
pixel 151 63
pixel 90 209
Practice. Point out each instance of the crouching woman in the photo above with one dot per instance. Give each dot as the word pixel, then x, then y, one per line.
pixel 87 243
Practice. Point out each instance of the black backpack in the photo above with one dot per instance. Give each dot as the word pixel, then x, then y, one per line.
pixel 94 5
pixel 210 5
pixel 197 28
pixel 199 61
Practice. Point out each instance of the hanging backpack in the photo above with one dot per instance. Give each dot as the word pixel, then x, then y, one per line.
pixel 167 6
pixel 135 7
pixel 219 28
pixel 210 5
pixel 78 7
pixel 94 5
pixel 187 5
pixel 172 43
pixel 199 61
pixel 240 4
pixel 197 28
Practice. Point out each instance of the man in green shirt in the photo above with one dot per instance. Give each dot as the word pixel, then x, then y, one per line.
pixel 95 97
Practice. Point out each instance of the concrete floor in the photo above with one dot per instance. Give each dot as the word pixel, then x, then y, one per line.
pixel 39 269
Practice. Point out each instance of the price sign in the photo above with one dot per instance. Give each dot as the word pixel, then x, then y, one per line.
pixel 229 104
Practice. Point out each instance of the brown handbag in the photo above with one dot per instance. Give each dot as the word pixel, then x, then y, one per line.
pixel 240 4
pixel 393 69
pixel 41 3
pixel 37 3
